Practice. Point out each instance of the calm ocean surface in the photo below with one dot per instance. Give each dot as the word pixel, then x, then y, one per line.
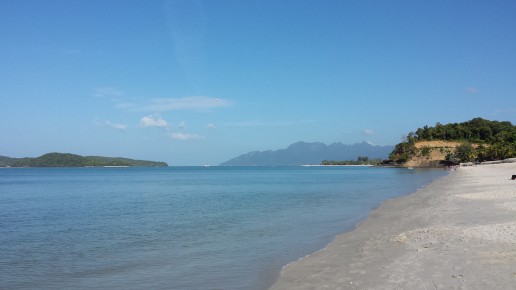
pixel 179 227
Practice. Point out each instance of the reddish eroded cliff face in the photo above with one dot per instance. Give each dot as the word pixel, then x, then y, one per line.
pixel 433 153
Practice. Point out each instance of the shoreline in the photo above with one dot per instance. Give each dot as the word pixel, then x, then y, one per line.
pixel 457 232
pixel 350 165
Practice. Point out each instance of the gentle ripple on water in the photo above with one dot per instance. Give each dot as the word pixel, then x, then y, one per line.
pixel 178 228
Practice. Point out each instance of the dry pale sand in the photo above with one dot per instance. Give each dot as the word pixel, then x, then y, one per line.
pixel 457 233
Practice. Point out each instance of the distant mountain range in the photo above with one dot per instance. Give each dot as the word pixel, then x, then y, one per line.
pixel 72 160
pixel 301 153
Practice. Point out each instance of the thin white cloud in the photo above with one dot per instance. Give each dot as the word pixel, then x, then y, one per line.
pixel 187 103
pixel 471 90
pixel 154 120
pixel 112 125
pixel 116 125
pixel 108 92
pixel 370 143
pixel 195 103
pixel 185 136
pixel 368 132
pixel 187 23
pixel 210 126
pixel 125 106
pixel 181 125
pixel 267 123
pixel 503 111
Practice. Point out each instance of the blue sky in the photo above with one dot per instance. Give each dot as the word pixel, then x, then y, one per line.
pixel 199 82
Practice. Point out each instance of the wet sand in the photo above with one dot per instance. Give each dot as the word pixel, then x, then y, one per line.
pixel 457 233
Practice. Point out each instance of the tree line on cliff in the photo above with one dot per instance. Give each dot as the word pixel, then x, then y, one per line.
pixel 361 160
pixel 480 140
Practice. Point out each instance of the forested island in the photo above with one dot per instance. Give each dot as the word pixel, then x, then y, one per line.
pixel 361 160
pixel 477 140
pixel 73 160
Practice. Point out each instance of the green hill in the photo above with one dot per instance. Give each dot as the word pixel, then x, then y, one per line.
pixel 73 160
pixel 476 140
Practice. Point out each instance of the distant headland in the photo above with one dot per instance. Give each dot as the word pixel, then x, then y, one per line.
pixel 474 141
pixel 302 153
pixel 73 160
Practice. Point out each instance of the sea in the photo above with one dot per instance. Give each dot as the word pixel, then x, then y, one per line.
pixel 179 227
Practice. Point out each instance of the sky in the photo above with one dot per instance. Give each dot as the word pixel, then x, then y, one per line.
pixel 194 82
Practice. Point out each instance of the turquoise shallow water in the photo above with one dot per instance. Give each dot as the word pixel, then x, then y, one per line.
pixel 179 227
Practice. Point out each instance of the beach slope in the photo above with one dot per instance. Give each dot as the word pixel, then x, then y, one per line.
pixel 457 233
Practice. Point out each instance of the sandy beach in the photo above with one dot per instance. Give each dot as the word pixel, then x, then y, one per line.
pixel 457 233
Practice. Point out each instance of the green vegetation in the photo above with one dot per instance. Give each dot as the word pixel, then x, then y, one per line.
pixel 481 140
pixel 477 130
pixel 72 160
pixel 5 161
pixel 361 160
pixel 464 152
pixel 403 151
